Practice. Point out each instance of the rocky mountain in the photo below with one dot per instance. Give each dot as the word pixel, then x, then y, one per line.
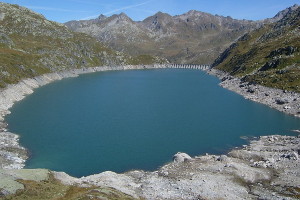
pixel 281 14
pixel 194 37
pixel 268 56
pixel 31 45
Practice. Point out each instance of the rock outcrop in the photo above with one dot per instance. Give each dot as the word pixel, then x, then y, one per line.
pixel 181 157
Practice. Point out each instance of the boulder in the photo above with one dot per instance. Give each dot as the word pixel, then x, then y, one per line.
pixel 281 101
pixel 222 158
pixel 251 90
pixel 181 157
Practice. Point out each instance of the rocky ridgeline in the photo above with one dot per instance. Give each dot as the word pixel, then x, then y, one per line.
pixel 193 37
pixel 281 14
pixel 282 100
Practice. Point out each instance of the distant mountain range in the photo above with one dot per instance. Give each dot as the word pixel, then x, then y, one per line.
pixel 193 37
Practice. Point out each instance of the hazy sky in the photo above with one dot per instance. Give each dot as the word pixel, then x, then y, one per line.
pixel 65 10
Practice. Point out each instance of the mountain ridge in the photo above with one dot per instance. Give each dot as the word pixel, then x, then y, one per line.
pixel 193 37
pixel 281 14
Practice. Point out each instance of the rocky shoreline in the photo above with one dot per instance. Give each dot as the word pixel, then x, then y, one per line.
pixel 268 168
pixel 284 101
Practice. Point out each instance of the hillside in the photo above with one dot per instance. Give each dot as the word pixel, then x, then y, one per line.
pixel 268 56
pixel 31 45
pixel 194 37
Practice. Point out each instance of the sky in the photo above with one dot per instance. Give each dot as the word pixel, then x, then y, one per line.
pixel 66 10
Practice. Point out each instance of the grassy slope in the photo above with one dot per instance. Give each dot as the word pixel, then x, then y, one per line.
pixel 268 56
pixel 53 189
pixel 30 45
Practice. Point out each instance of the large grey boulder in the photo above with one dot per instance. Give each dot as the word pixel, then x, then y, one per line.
pixel 181 157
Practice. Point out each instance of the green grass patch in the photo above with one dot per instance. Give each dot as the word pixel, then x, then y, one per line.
pixel 53 189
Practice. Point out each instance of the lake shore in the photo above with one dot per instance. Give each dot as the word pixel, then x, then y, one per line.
pixel 284 101
pixel 267 168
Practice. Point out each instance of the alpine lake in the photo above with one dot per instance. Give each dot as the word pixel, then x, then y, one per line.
pixel 136 119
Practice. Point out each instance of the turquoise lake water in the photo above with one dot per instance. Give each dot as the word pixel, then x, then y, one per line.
pixel 124 120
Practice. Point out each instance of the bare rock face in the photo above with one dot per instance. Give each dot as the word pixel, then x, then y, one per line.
pixel 5 40
pixel 281 14
pixel 2 15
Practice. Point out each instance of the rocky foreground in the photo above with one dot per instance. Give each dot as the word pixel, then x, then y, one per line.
pixel 268 168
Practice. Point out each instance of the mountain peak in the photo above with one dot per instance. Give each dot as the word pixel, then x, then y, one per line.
pixel 101 17
pixel 282 13
pixel 161 14
pixel 193 12
pixel 123 15
pixel 181 38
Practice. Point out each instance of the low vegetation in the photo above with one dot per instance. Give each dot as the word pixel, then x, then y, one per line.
pixel 53 189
